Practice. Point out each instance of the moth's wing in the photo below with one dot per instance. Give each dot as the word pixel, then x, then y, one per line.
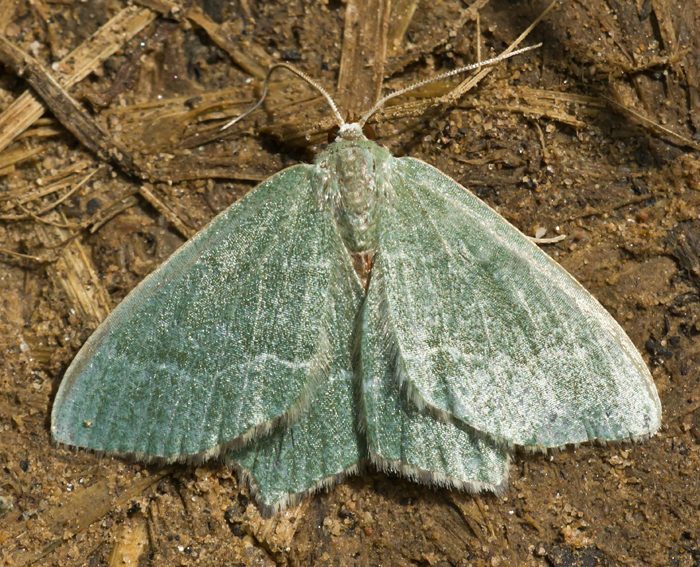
pixel 322 445
pixel 403 440
pixel 493 332
pixel 227 337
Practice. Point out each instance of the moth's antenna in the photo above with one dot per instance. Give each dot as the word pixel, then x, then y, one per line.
pixel 382 101
pixel 298 73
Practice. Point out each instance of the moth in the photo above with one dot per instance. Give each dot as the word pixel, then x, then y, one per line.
pixel 258 343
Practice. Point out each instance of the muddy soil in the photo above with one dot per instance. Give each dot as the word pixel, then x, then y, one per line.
pixel 594 136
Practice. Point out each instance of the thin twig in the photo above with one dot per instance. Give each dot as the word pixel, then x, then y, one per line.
pixel 67 110
pixel 13 254
pixel 469 83
pixel 655 126
pixel 73 68
pixel 77 186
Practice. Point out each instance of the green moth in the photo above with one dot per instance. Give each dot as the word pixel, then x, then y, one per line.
pixel 258 341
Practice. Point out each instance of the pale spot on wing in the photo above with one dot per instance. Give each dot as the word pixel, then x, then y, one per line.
pixel 261 360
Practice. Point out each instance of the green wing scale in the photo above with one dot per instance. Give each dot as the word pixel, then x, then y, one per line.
pixel 493 332
pixel 403 440
pixel 192 360
pixel 321 446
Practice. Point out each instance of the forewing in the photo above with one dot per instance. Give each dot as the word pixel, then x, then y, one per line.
pixel 493 332
pixel 228 336
pixel 402 439
pixel 322 445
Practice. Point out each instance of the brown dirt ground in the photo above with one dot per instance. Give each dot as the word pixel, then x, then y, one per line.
pixel 577 138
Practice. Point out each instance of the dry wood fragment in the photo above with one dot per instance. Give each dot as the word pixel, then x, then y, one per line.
pixel 76 187
pixel 7 12
pixel 170 215
pixel 534 102
pixel 415 52
pixel 363 55
pixel 40 132
pixel 112 210
pixel 190 168
pixel 401 15
pixel 92 136
pixel 469 83
pixel 77 183
pixel 132 542
pixel 72 515
pixel 18 155
pixel 67 110
pixel 467 513
pixel 73 68
pixel 182 121
pixel 163 7
pixel 75 274
pixel 238 56
pixel 43 186
pixel 20 256
pixel 660 130
pixel 67 171
pixel 56 223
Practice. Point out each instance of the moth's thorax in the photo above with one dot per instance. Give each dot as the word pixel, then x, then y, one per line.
pixel 354 173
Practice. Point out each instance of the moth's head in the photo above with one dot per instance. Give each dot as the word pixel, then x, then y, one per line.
pixel 351 131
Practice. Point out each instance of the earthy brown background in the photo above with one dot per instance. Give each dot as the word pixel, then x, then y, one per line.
pixel 594 136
